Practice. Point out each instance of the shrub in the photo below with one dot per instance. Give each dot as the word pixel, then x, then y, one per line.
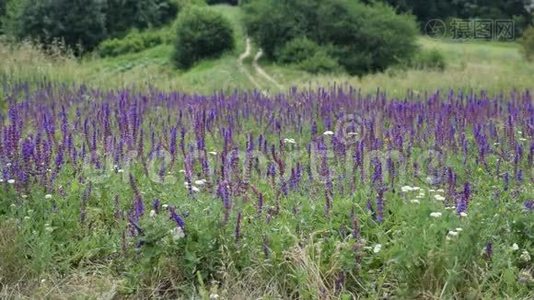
pixel 308 56
pixel 76 22
pixel 201 33
pixel 319 62
pixel 365 38
pixel 134 42
pixel 297 50
pixel 527 43
pixel 428 60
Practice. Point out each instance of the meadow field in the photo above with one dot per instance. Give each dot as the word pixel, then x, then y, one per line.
pixel 125 178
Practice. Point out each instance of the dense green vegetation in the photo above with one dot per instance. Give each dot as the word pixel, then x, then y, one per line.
pixel 122 15
pixel 361 38
pixel 202 33
pixel 82 25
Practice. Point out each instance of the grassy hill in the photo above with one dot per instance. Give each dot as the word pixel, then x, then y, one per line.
pixel 470 65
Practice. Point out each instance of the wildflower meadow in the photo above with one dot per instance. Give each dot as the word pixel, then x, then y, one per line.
pixel 318 193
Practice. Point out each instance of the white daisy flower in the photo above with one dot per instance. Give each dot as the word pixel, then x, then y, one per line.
pixel 212 153
pixel 48 196
pixel 515 247
pixel 152 213
pixel 195 189
pixel 463 214
pixel 328 132
pixel 11 181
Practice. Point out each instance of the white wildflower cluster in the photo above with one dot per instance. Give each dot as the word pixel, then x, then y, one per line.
pixel 408 189
pixel 452 234
pixel 48 228
pixel 377 248
pixel 525 256
pixel 195 186
pixel 436 215
pixel 177 233
pixel 289 141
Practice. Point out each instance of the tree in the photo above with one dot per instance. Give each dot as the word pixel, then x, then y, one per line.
pixel 76 22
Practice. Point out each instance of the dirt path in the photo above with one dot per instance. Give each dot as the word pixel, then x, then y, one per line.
pixel 242 68
pixel 262 72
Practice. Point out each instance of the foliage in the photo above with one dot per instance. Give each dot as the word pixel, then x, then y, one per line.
pixel 3 6
pixel 122 15
pixel 364 38
pixel 80 24
pixel 527 43
pixel 135 41
pixel 308 56
pixel 230 2
pixel 428 60
pixel 297 50
pixel 319 62
pixel 201 33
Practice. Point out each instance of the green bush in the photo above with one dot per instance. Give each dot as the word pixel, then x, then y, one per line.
pixel 122 15
pixel 134 42
pixel 320 62
pixel 308 56
pixel 201 33
pixel 527 43
pixel 298 50
pixel 364 38
pixel 428 60
pixel 79 23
